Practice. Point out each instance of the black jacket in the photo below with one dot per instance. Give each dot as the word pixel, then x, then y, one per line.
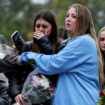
pixel 18 76
pixel 16 79
pixel 43 45
pixel 4 98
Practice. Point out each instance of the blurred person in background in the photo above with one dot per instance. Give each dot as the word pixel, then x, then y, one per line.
pixel 101 41
pixel 44 41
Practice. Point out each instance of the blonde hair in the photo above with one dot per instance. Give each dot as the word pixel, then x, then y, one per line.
pixel 86 26
pixel 99 33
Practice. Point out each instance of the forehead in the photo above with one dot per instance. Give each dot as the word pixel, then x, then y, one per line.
pixel 102 34
pixel 72 10
pixel 42 21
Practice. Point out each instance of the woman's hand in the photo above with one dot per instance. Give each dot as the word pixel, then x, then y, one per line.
pixel 19 99
pixel 37 35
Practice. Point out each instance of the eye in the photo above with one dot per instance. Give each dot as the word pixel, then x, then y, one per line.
pixel 41 25
pixel 102 39
pixel 74 16
pixel 37 25
pixel 45 26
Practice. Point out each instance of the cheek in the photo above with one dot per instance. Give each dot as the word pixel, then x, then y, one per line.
pixel 75 27
pixel 101 44
pixel 41 30
pixel 48 31
pixel 75 24
pixel 36 29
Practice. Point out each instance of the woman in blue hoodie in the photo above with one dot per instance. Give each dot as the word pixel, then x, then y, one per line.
pixel 79 64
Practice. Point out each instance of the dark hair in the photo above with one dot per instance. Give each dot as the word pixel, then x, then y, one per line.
pixel 50 18
pixel 62 33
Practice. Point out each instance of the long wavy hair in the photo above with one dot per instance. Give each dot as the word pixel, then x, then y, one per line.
pixel 103 53
pixel 86 26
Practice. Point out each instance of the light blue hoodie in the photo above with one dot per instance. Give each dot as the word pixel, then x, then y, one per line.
pixel 77 66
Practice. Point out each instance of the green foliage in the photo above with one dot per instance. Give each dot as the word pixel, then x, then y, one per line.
pixel 19 14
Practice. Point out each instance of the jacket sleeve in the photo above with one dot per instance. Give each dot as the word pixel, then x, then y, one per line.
pixel 45 45
pixel 66 60
pixel 61 45
pixel 27 46
pixel 4 97
pixel 17 78
pixel 14 87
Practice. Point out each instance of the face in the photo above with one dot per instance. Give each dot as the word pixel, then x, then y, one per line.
pixel 71 21
pixel 43 26
pixel 102 41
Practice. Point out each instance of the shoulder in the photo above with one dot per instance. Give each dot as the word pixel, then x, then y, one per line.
pixel 84 39
pixel 81 43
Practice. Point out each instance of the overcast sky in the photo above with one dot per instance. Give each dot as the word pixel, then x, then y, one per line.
pixel 40 1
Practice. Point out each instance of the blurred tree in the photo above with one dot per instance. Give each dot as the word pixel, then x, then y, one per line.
pixel 16 15
pixel 19 15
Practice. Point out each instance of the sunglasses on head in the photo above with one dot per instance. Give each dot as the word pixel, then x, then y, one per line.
pixel 41 25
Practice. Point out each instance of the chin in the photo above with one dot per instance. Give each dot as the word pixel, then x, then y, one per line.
pixel 68 30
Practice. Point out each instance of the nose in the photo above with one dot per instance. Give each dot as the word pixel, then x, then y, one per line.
pixel 41 29
pixel 68 18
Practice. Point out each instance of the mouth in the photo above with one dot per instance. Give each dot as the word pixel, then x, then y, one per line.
pixel 68 25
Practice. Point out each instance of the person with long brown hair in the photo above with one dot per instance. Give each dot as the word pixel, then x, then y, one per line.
pixel 79 64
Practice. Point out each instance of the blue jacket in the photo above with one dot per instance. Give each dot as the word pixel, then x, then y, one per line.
pixel 77 66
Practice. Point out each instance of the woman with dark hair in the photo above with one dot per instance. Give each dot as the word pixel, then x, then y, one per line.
pixel 44 33
pixel 44 41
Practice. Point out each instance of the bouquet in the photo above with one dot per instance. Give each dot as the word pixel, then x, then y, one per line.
pixel 102 98
pixel 37 88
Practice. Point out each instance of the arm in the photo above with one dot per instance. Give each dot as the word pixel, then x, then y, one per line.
pixel 16 81
pixel 14 88
pixel 45 45
pixel 4 97
pixel 74 54
pixel 61 45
